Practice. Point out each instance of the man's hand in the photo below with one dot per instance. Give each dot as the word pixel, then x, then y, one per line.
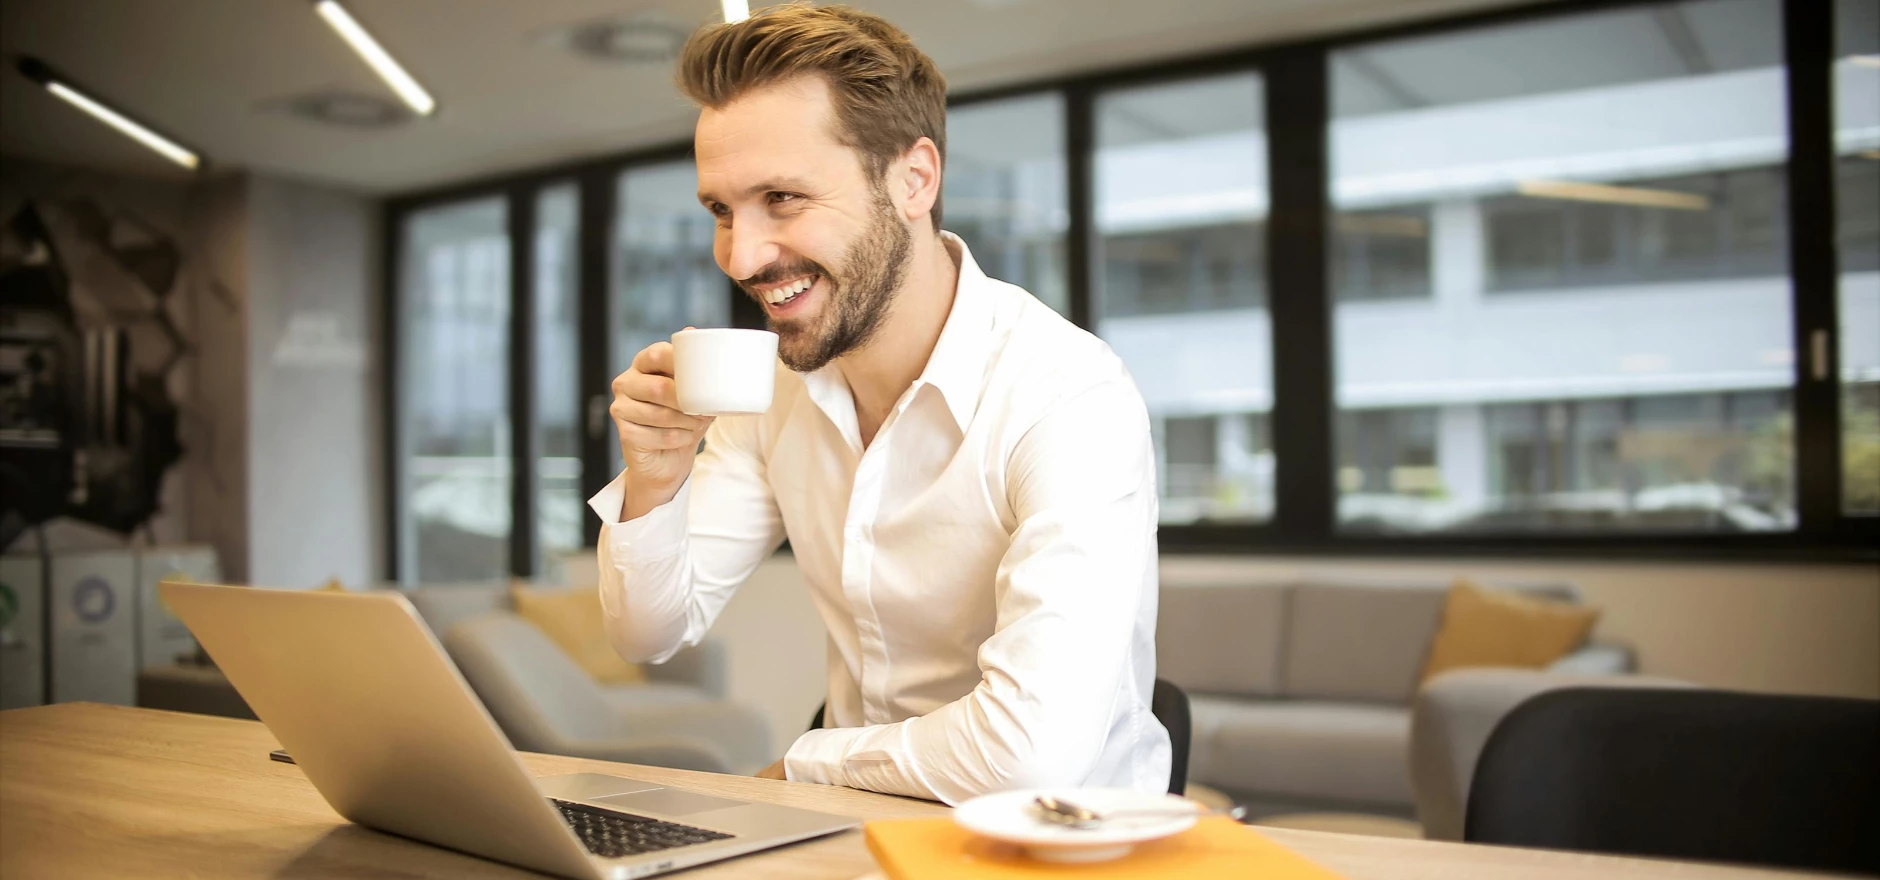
pixel 657 441
pixel 774 771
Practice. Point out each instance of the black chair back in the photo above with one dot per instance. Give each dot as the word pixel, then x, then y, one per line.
pixel 1697 774
pixel 1168 704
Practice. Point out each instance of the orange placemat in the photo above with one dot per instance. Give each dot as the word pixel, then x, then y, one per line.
pixel 939 849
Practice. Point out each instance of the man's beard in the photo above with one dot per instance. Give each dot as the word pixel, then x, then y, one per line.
pixel 859 296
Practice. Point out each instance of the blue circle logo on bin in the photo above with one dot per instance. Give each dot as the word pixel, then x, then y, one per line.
pixel 94 600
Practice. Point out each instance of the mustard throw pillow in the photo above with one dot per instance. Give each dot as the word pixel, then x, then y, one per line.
pixel 1502 628
pixel 571 619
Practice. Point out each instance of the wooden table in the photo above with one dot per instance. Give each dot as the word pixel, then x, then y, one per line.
pixel 104 791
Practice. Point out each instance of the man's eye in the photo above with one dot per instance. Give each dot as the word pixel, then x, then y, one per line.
pixel 779 198
pixel 718 210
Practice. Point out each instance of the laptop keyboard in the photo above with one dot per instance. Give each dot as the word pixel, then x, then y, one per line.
pixel 611 834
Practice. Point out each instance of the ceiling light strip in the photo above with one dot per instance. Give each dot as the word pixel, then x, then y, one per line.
pixel 1616 195
pixel 381 61
pixel 736 10
pixel 38 72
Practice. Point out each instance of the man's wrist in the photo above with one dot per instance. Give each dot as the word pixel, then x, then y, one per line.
pixel 641 499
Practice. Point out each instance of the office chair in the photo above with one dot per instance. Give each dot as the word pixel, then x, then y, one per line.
pixel 1169 705
pixel 1699 774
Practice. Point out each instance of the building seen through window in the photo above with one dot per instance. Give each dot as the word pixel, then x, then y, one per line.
pixel 1181 208
pixel 1563 293
pixel 1005 191
pixel 662 274
pixel 454 440
pixel 1857 236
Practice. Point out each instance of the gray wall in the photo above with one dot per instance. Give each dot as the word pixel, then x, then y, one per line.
pixel 314 456
pixel 277 294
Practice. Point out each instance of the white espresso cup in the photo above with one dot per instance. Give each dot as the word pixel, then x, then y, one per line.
pixel 724 372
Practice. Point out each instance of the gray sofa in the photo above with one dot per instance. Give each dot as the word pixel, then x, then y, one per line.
pixel 679 717
pixel 1301 692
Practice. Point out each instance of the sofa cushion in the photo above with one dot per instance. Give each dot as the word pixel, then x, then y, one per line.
pixel 1505 628
pixel 573 618
pixel 1222 639
pixel 1347 753
pixel 1351 642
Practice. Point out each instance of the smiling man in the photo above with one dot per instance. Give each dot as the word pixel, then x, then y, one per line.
pixel 966 479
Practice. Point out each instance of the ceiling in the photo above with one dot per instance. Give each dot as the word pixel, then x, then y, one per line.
pixel 217 74
pixel 1626 45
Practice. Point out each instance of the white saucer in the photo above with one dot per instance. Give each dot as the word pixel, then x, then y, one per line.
pixel 1011 816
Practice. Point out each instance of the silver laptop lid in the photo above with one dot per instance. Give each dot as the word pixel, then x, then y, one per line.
pixel 360 693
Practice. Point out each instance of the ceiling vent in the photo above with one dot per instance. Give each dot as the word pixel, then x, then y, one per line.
pixel 344 109
pixel 636 39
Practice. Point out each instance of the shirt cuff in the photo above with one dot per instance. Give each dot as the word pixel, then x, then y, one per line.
pixel 817 756
pixel 660 531
pixel 872 758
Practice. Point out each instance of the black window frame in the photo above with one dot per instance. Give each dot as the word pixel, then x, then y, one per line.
pixel 1297 115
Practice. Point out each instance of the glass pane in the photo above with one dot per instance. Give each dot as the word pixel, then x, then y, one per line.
pixel 1857 201
pixel 663 276
pixel 454 404
pixel 1181 205
pixel 1559 249
pixel 556 291
pixel 1005 193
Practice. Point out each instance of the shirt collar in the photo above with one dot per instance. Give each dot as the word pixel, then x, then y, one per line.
pixel 957 366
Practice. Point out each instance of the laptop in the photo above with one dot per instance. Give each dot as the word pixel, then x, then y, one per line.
pixel 359 691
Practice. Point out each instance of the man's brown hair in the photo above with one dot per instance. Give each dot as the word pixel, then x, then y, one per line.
pixel 887 93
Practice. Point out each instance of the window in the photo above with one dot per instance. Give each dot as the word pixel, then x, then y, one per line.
pixel 1725 225
pixel 1558 307
pixel 1680 462
pixel 555 290
pixel 1203 269
pixel 1381 253
pixel 664 278
pixel 1857 202
pixel 1181 202
pixel 1628 184
pixel 454 404
pixel 1388 451
pixel 1005 191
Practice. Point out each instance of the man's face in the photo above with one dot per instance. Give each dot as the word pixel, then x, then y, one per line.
pixel 802 227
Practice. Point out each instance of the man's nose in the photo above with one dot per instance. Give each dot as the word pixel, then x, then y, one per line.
pixel 752 247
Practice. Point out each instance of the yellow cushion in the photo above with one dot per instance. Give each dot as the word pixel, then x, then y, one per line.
pixel 332 585
pixel 1502 628
pixel 571 618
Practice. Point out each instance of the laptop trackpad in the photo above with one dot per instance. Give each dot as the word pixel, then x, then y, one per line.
pixel 667 802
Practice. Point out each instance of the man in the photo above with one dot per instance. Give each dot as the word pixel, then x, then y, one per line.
pixel 967 479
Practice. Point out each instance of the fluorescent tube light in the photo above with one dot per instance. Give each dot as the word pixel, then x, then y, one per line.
pixel 737 10
pixel 1865 60
pixel 1617 195
pixel 38 72
pixel 375 55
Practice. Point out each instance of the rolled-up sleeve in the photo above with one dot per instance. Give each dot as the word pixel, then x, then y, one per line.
pixel 665 576
pixel 1069 591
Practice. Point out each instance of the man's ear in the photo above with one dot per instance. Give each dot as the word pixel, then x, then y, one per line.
pixel 916 179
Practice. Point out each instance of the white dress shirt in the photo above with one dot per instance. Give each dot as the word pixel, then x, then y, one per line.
pixel 986 566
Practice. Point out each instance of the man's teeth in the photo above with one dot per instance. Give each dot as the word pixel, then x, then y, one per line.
pixel 788 291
